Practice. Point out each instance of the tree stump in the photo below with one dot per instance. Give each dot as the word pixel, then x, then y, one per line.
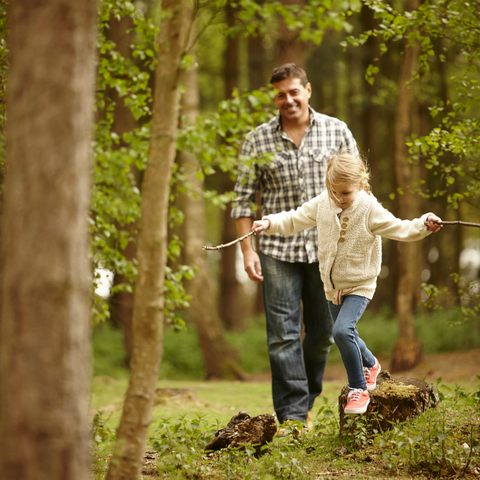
pixel 396 399
pixel 244 430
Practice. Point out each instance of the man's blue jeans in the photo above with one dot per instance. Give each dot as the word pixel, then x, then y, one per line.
pixel 297 370
pixel 354 352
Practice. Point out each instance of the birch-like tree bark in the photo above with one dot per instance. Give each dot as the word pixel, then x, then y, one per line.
pixel 148 313
pixel 45 315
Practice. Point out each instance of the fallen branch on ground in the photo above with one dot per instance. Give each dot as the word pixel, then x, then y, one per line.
pixel 218 247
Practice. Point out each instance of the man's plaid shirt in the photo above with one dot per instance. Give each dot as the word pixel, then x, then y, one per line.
pixel 293 177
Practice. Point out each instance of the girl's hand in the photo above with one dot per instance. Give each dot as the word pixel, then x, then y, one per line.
pixel 260 225
pixel 432 223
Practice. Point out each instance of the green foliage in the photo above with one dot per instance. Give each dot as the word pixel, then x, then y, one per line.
pixel 251 345
pixel 115 203
pixel 182 356
pixel 448 31
pixel 443 441
pixel 109 356
pixel 100 430
pixel 467 297
pixel 216 139
pixel 181 447
pixel 120 161
pixel 441 331
pixel 312 19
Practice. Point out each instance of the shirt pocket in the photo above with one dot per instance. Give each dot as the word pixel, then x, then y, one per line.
pixel 318 163
pixel 278 173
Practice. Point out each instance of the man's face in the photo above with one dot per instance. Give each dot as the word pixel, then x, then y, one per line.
pixel 292 99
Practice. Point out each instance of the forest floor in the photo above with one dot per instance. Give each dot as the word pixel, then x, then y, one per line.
pixel 216 402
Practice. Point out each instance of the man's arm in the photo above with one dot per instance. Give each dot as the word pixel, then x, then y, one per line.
pixel 251 260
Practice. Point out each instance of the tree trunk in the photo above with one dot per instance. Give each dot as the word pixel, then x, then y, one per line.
pixel 45 317
pixel 230 306
pixel 121 303
pixel 408 349
pixel 257 77
pixel 152 246
pixel 289 48
pixel 221 361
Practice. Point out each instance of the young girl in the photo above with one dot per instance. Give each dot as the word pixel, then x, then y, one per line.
pixel 350 222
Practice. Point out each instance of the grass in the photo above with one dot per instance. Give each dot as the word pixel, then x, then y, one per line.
pixel 182 426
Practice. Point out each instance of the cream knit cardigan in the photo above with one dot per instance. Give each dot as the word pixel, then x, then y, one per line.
pixel 349 243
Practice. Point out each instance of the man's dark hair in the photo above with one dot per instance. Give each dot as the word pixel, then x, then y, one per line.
pixel 289 70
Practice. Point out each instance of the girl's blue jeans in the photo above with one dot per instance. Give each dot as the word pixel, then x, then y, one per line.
pixel 354 352
pixel 292 292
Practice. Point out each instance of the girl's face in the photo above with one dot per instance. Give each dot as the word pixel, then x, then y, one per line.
pixel 344 194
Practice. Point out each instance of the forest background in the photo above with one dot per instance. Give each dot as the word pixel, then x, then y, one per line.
pixel 177 88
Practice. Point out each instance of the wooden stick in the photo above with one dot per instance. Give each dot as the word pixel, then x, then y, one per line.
pixel 457 222
pixel 444 222
pixel 218 247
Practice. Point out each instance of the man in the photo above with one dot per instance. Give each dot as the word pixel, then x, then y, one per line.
pixel 302 142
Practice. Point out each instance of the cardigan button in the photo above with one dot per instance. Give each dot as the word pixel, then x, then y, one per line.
pixel 344 225
pixel 346 219
pixel 341 240
pixel 342 232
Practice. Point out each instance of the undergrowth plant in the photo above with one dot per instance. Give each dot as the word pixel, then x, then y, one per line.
pixel 444 442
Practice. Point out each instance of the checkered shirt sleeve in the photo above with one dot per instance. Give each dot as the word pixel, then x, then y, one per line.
pixel 287 177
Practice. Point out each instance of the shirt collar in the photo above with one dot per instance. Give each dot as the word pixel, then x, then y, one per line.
pixel 277 123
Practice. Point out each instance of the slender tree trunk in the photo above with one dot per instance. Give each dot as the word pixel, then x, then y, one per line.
pixel 230 306
pixel 45 317
pixel 221 361
pixel 152 246
pixel 408 349
pixel 378 127
pixel 121 303
pixel 289 48
pixel 370 110
pixel 257 76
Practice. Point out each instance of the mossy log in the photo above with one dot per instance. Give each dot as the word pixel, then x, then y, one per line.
pixel 396 399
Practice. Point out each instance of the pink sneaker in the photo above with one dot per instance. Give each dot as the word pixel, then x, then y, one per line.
pixel 357 401
pixel 371 375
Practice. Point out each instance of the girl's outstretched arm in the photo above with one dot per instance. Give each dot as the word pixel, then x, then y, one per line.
pixel 260 225
pixel 432 223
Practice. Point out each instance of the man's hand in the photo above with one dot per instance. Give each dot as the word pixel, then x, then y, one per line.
pixel 432 223
pixel 251 262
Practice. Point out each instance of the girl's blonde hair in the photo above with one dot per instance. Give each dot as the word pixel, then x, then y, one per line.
pixel 347 168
